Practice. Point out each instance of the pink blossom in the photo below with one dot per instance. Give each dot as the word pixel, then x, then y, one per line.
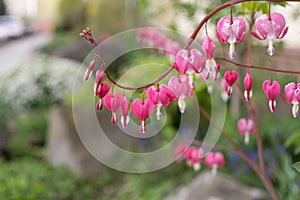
pixel 142 110
pixel 231 30
pixel 171 49
pixel 272 90
pixel 225 88
pixel 124 108
pixel 292 96
pixel 248 86
pixel 214 160
pixel 112 102
pixel 230 77
pixel 189 62
pixel 101 90
pixel 245 127
pixel 159 41
pixel 194 157
pixel 99 76
pixel 89 70
pixel 209 48
pixel 160 96
pixel 270 27
pixel 181 89
pixel 180 152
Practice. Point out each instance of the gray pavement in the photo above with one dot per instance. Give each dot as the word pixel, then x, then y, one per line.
pixel 15 51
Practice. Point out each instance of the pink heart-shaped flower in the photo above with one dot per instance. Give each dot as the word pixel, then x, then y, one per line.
pixel 231 77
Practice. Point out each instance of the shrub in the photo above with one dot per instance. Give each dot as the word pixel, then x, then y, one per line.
pixel 31 179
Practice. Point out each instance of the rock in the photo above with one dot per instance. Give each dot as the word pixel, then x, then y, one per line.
pixel 220 187
pixel 64 146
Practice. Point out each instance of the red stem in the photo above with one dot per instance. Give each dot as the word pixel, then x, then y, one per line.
pixel 258 67
pixel 265 179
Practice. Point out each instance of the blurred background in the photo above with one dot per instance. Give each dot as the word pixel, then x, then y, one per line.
pixel 41 156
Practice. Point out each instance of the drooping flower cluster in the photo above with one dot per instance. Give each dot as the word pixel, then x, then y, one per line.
pixel 150 38
pixel 191 62
pixel 195 156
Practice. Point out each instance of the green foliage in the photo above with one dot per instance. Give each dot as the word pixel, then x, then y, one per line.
pixel 153 185
pixel 72 14
pixel 111 17
pixel 293 142
pixel 38 180
pixel 26 179
pixel 189 8
pixel 29 135
pixel 297 166
pixel 2 7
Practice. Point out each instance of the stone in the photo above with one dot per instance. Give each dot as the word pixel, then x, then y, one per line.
pixel 220 187
pixel 64 146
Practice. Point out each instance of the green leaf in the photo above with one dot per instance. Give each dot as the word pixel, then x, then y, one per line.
pixel 293 139
pixel 297 166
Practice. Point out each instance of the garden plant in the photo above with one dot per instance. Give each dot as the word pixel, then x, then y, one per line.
pixel 193 66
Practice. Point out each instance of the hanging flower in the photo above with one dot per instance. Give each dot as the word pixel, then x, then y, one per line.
pixel 230 77
pixel 142 110
pixel 89 70
pixel 189 62
pixel 292 96
pixel 208 47
pixel 180 152
pixel 171 49
pixel 231 30
pixel 248 86
pixel 160 96
pixel 272 90
pixel 270 27
pixel 226 88
pixel 124 108
pixel 112 102
pixel 181 89
pixel 101 90
pixel 245 127
pixel 194 156
pixel 214 161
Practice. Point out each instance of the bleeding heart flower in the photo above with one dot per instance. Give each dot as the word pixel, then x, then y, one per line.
pixel 124 108
pixel 194 157
pixel 292 96
pixel 159 42
pixel 189 62
pixel 214 160
pixel 231 30
pixel 270 27
pixel 226 88
pixel 272 90
pixel 112 102
pixel 160 96
pixel 142 110
pixel 181 89
pixel 245 127
pixel 209 48
pixel 230 77
pixel 99 76
pixel 89 70
pixel 171 49
pixel 101 90
pixel 180 152
pixel 248 86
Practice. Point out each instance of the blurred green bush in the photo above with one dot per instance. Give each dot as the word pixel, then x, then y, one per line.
pixel 32 179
